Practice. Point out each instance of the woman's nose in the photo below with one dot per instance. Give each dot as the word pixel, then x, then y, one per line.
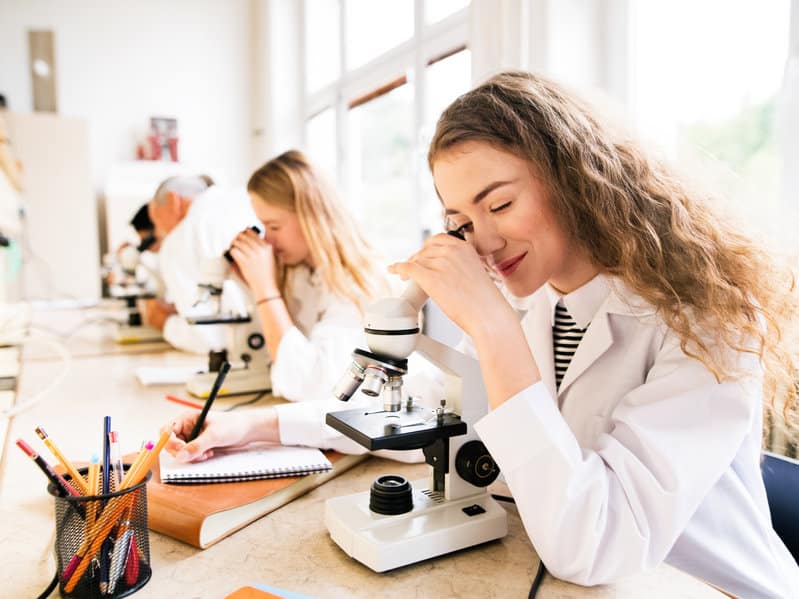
pixel 487 240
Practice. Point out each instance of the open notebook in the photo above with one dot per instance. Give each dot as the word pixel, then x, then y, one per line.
pixel 251 463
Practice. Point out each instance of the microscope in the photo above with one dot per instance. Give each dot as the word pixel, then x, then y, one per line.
pixel 243 343
pixel 133 281
pixel 398 522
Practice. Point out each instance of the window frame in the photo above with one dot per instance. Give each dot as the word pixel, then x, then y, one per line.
pixel 430 42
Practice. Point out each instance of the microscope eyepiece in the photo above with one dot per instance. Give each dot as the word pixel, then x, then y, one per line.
pixel 227 255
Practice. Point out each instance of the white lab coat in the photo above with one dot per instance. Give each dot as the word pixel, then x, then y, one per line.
pixel 640 457
pixel 312 357
pixel 213 220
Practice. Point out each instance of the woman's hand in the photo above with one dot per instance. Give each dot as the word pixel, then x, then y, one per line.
pixel 452 273
pixel 221 429
pixel 254 262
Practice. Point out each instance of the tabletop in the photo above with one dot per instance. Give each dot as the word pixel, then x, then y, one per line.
pixel 289 548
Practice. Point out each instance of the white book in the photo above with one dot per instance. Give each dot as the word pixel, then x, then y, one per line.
pixel 249 463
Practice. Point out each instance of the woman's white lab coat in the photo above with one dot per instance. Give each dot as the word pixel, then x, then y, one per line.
pixel 641 456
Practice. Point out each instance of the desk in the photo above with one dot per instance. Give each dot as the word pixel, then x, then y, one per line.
pixel 87 332
pixel 289 548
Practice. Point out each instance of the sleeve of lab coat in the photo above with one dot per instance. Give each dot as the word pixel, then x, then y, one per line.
pixel 308 367
pixel 597 514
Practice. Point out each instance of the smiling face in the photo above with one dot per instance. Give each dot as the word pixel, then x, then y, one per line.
pixel 504 210
pixel 283 232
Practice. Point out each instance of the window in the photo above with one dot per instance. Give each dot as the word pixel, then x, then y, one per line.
pixel 321 141
pixel 381 138
pixel 370 118
pixel 706 80
pixel 375 27
pixel 437 10
pixel 322 43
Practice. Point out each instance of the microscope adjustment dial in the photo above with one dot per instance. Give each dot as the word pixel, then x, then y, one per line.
pixel 475 465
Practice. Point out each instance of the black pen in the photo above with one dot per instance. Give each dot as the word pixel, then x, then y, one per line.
pixel 198 426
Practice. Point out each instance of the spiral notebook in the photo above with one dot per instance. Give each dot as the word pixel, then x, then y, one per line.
pixel 249 463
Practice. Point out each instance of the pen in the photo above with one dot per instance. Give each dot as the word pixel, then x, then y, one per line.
pixel 106 546
pixel 62 485
pixel 116 459
pixel 184 402
pixel 67 465
pixel 198 426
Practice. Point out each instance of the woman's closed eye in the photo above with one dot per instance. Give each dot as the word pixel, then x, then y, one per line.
pixel 500 207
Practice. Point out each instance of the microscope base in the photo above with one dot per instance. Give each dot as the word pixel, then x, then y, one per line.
pixel 141 334
pixel 239 381
pixel 432 528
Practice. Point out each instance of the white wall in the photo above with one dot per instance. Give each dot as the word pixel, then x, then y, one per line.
pixel 119 62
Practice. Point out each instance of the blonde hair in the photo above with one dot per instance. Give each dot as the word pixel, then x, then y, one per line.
pixel 640 224
pixel 347 263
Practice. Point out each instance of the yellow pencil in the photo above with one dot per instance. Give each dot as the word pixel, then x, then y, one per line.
pixel 134 467
pixel 65 463
pixel 150 458
pixel 94 489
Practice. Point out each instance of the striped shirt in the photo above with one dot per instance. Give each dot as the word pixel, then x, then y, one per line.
pixel 566 336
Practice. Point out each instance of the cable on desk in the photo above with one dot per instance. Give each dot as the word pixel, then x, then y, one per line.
pixel 539 575
pixel 255 399
pixel 77 327
pixel 50 587
pixel 25 404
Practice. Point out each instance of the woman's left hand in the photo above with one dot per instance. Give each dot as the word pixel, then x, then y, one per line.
pixel 451 272
pixel 254 262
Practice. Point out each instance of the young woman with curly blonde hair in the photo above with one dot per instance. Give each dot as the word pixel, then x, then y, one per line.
pixel 627 406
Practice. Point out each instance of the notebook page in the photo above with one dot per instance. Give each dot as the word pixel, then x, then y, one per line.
pixel 253 462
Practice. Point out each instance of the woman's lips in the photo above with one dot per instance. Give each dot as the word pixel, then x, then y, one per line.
pixel 507 267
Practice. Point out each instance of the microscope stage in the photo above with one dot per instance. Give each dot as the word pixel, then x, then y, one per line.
pixel 239 381
pixel 405 429
pixel 137 334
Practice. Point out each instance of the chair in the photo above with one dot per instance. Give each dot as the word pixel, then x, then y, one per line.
pixel 781 477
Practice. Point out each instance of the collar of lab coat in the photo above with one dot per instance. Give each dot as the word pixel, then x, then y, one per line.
pixel 604 294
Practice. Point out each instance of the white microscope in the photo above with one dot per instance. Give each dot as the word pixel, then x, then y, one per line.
pixel 242 342
pixel 398 523
pixel 133 281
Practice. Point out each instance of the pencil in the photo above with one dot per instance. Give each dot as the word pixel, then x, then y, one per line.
pixel 58 481
pixel 94 481
pixel 184 402
pixel 102 527
pixel 62 459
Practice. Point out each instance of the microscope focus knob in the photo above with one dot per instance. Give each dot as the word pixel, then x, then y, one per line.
pixel 475 465
pixel 256 341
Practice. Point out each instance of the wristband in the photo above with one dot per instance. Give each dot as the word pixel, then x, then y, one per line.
pixel 263 300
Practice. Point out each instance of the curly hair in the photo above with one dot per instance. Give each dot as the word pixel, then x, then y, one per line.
pixel 339 250
pixel 709 282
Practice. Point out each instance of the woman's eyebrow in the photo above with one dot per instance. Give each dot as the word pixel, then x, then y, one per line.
pixel 483 193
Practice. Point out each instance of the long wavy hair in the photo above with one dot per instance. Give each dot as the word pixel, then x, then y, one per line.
pixel 641 224
pixel 349 266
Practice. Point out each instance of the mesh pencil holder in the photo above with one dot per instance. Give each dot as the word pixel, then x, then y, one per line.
pixel 99 534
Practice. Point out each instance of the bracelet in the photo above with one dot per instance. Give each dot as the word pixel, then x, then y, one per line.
pixel 263 300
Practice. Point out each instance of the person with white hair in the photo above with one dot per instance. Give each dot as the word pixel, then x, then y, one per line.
pixel 195 221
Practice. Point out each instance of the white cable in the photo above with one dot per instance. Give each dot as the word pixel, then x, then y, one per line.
pixel 27 336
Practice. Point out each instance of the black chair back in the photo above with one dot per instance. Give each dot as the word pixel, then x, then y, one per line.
pixel 781 477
